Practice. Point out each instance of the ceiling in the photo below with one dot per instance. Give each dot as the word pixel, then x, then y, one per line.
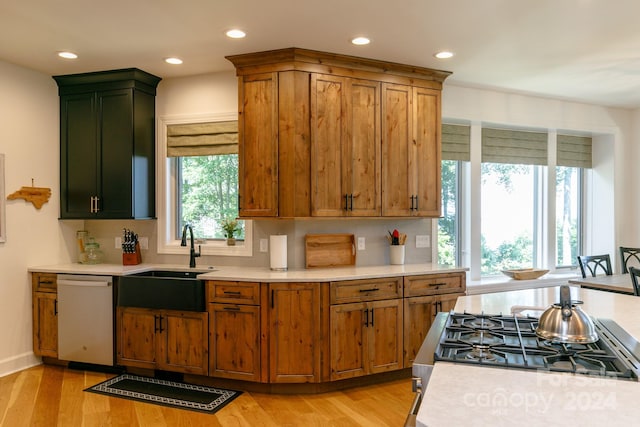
pixel 581 50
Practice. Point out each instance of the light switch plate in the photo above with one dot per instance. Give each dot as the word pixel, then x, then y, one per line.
pixel 423 241
pixel 361 243
pixel 264 245
pixel 118 242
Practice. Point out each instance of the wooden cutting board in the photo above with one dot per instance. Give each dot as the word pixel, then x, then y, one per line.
pixel 329 250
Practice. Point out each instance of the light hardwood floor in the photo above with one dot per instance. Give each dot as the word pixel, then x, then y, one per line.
pixel 48 395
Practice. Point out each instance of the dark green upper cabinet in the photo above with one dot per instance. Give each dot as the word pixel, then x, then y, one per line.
pixel 107 145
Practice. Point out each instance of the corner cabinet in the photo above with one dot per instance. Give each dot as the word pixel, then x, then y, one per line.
pixel 107 144
pixel 318 134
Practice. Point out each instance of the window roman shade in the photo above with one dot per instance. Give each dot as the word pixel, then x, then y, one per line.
pixel 514 146
pixel 202 139
pixel 574 151
pixel 455 142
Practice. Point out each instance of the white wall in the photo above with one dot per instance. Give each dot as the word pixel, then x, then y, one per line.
pixel 29 141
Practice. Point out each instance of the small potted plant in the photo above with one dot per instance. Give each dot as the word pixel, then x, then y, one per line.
pixel 230 227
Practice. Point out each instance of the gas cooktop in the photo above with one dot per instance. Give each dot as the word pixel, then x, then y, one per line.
pixel 511 342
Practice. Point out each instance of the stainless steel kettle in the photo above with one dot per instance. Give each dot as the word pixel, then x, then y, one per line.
pixel 566 323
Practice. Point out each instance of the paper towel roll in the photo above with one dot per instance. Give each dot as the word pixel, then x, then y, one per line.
pixel 278 252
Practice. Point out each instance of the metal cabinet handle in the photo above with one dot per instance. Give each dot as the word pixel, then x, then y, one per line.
pixel 351 202
pixel 366 317
pixel 369 290
pixel 231 292
pixel 346 202
pixel 231 308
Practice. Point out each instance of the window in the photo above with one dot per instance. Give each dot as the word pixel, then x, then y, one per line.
pixel 448 224
pixel 568 224
pixel 500 209
pixel 198 171
pixel 509 216
pixel 207 193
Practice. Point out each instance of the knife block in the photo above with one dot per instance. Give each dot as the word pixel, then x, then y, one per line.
pixel 134 258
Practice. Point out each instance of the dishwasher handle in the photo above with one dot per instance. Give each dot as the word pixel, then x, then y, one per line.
pixel 82 280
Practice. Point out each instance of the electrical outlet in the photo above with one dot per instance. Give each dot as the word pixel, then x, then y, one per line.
pixel 118 242
pixel 423 241
pixel 264 245
pixel 144 242
pixel 361 243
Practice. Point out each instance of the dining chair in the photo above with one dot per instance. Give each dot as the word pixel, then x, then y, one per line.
pixel 592 263
pixel 629 254
pixel 635 272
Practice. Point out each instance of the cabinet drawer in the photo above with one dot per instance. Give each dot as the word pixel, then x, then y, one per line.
pixel 434 284
pixel 366 290
pixel 44 282
pixel 233 292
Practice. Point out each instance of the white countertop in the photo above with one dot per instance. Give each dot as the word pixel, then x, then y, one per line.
pixel 468 395
pixel 256 274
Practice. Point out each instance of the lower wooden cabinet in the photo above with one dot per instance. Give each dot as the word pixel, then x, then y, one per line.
pixel 419 313
pixel 295 325
pixel 234 332
pixel 163 339
pixel 45 314
pixel 366 338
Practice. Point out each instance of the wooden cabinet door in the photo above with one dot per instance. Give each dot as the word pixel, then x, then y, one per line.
pixel 183 345
pixel 136 337
pixel 345 146
pixel 234 341
pixel 258 145
pixel 411 150
pixel 45 324
pixel 426 155
pixel 419 313
pixel 295 326
pixel 362 157
pixel 397 174
pixel 348 342
pixel 385 336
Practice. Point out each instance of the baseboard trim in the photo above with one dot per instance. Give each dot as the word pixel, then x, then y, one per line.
pixel 18 363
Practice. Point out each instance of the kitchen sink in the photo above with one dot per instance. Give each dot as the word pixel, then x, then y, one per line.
pixel 162 289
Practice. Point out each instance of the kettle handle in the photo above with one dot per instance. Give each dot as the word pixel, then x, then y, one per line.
pixel 565 301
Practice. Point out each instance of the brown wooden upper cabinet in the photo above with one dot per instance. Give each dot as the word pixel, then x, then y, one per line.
pixel 327 135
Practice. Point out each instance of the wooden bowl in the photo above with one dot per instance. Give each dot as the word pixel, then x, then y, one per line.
pixel 525 273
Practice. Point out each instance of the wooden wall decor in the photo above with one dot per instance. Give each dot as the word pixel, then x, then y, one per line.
pixel 36 195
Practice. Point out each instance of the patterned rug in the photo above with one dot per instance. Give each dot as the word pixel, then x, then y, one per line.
pixel 167 393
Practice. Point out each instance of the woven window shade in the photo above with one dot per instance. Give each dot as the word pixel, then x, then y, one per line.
pixel 455 142
pixel 574 151
pixel 515 147
pixel 202 139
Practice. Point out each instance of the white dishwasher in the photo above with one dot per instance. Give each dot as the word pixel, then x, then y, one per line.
pixel 85 319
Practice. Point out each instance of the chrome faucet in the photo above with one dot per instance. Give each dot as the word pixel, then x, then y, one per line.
pixel 192 252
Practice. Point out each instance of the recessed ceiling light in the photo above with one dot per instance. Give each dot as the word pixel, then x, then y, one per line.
pixel 173 61
pixel 360 41
pixel 67 55
pixel 236 34
pixel 443 55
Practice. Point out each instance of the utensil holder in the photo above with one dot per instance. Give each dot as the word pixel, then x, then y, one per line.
pixel 134 258
pixel 396 254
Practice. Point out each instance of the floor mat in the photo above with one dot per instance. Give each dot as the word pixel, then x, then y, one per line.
pixel 168 393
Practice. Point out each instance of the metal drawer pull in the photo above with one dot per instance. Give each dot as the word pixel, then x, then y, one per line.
pixel 437 284
pixel 232 293
pixel 366 317
pixel 232 308
pixel 369 290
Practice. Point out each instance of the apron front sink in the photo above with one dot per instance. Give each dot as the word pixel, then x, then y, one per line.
pixel 160 289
